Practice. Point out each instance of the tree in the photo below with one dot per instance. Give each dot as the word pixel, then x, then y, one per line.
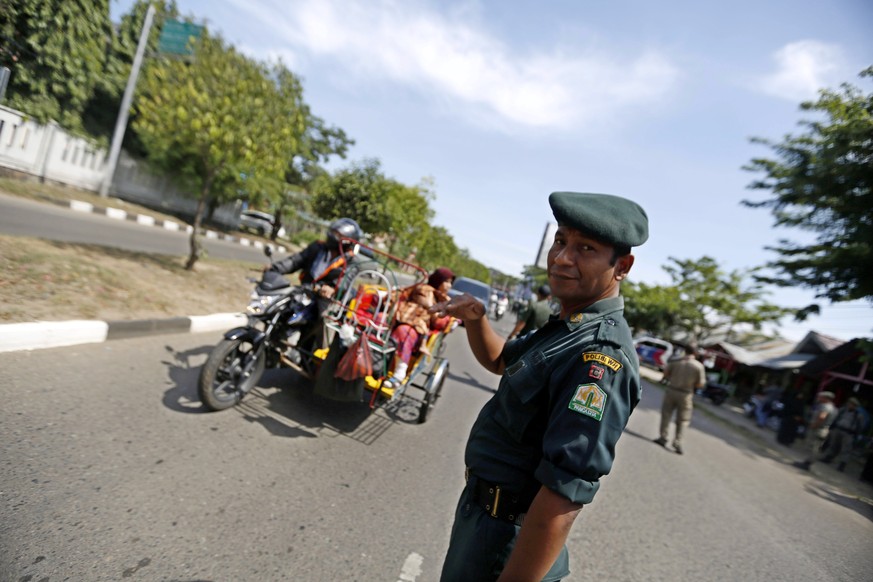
pixel 210 120
pixel 655 309
pixel 316 146
pixel 409 207
pixel 712 300
pixel 359 192
pixel 822 182
pixel 56 50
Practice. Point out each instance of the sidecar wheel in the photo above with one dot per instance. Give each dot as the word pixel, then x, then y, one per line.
pixel 228 374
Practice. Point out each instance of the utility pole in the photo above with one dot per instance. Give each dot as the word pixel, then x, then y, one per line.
pixel 124 112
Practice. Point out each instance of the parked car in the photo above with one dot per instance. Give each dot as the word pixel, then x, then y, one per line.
pixel 653 351
pixel 477 289
pixel 258 222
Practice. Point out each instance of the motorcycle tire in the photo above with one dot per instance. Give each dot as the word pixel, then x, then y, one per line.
pixel 223 381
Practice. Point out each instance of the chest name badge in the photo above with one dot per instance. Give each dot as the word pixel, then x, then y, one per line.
pixel 610 363
pixel 590 400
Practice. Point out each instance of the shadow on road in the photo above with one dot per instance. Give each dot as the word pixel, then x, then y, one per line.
pixel 741 433
pixel 862 506
pixel 284 403
pixel 469 380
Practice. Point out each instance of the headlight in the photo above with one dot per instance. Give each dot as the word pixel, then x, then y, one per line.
pixel 259 304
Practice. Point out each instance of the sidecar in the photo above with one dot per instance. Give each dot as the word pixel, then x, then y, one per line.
pixel 363 310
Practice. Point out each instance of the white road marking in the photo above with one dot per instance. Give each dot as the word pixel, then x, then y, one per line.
pixel 411 568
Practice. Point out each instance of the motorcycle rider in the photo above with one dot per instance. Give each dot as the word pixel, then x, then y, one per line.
pixel 322 262
pixel 321 265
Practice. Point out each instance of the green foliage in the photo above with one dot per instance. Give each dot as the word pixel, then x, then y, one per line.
pixel 360 192
pixel 394 213
pixel 222 115
pixel 822 182
pixel 710 299
pixel 56 50
pixel 654 309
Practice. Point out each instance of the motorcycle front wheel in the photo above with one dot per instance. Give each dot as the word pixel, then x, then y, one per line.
pixel 230 371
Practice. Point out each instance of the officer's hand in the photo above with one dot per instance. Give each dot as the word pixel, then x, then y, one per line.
pixel 326 291
pixel 463 306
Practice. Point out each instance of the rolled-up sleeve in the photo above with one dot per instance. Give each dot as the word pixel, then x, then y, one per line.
pixel 591 398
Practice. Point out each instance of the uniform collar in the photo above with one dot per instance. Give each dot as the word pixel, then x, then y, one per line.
pixel 595 311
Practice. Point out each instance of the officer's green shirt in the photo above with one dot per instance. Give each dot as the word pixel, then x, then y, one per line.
pixel 563 401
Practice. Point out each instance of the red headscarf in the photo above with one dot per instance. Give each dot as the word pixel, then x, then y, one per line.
pixel 440 276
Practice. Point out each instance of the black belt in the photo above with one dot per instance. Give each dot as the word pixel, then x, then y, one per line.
pixel 499 502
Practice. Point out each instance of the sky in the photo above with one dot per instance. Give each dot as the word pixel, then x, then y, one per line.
pixel 502 102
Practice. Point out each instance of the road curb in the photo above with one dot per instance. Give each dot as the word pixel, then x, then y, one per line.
pixel 146 220
pixel 54 334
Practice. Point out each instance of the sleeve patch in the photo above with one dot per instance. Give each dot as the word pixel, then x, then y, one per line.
pixel 610 363
pixel 596 372
pixel 590 400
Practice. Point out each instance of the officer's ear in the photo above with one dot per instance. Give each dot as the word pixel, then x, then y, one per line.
pixel 623 266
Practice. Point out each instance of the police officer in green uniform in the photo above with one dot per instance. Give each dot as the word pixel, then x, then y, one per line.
pixel 539 447
pixel 535 316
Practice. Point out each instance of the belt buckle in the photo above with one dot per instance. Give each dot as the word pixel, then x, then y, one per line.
pixel 496 500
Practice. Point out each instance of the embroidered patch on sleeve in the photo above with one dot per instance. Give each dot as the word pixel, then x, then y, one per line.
pixel 610 363
pixel 590 400
pixel 596 372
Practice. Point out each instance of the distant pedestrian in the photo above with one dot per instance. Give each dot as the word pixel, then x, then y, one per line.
pixel 848 424
pixel 819 425
pixel 764 406
pixel 792 417
pixel 683 377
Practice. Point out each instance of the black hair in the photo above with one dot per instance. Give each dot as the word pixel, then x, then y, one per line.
pixel 619 251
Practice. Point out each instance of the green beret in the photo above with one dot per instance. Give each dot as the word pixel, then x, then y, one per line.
pixel 611 219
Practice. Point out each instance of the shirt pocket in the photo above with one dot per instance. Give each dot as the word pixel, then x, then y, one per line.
pixel 522 390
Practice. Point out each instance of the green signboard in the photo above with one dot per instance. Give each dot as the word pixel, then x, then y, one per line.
pixel 176 37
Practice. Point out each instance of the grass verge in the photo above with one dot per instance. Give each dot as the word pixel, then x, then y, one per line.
pixel 56 281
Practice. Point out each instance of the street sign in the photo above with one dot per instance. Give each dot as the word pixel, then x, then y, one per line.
pixel 176 37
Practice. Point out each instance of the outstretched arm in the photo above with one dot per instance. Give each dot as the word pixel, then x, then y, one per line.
pixel 486 344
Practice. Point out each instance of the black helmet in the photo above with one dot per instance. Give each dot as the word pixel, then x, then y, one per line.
pixel 544 290
pixel 342 227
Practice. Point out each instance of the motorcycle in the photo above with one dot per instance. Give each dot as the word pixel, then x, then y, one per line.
pixel 767 413
pixel 716 392
pixel 281 331
pixel 500 309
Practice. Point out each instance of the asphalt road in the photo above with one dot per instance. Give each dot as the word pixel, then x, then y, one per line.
pixel 111 471
pixel 23 217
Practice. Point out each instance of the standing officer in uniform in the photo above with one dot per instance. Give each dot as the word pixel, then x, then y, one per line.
pixel 537 451
pixel 683 376
pixel 819 425
pixel 536 315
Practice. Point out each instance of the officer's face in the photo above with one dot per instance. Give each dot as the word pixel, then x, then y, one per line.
pixel 581 270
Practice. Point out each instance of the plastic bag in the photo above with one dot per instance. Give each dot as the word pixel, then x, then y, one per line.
pixel 357 362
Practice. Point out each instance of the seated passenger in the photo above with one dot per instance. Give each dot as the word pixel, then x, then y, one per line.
pixel 413 322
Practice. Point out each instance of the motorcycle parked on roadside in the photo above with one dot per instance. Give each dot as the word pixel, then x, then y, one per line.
pixel 716 392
